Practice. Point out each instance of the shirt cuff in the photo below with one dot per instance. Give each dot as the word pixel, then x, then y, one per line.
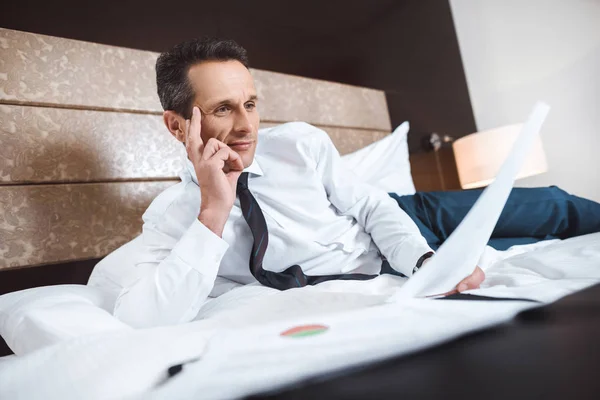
pixel 421 261
pixel 412 254
pixel 199 247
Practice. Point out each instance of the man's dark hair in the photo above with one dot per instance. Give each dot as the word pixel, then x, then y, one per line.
pixel 174 89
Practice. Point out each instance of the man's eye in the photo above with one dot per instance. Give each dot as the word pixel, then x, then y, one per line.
pixel 221 110
pixel 250 106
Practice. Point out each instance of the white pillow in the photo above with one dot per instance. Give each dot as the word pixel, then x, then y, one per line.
pixel 118 270
pixel 34 318
pixel 385 163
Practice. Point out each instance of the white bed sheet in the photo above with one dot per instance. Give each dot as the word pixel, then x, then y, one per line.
pixel 240 350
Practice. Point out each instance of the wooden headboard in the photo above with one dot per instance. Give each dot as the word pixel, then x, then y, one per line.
pixel 83 150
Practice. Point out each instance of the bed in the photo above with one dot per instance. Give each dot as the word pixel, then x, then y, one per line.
pixel 84 152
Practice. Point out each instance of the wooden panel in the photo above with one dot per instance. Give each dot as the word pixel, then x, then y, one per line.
pixel 425 173
pixel 49 144
pixel 68 273
pixel 292 98
pixel 45 70
pixel 50 70
pixel 42 144
pixel 347 140
pixel 434 171
pixel 42 224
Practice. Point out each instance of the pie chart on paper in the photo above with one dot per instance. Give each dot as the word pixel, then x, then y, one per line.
pixel 304 331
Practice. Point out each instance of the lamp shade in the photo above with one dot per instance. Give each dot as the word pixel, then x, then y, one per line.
pixel 480 155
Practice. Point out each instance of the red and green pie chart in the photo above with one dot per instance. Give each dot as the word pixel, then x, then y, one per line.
pixel 305 330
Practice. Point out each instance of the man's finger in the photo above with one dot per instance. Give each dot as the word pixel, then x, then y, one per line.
pixel 229 160
pixel 187 135
pixel 472 281
pixel 195 130
pixel 212 147
pixel 230 157
pixel 233 177
pixel 236 163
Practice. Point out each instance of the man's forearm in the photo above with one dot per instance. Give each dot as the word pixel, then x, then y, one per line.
pixel 395 234
pixel 171 289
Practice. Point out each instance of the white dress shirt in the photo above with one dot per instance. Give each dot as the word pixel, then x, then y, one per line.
pixel 318 215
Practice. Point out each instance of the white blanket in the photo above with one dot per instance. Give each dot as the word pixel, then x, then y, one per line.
pixel 238 344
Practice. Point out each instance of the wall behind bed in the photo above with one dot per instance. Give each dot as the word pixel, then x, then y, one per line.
pixel 408 48
pixel 516 52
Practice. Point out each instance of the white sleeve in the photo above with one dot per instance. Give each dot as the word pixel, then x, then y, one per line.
pixel 175 271
pixel 393 231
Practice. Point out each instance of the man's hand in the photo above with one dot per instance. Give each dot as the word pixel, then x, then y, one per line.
pixel 217 169
pixel 472 281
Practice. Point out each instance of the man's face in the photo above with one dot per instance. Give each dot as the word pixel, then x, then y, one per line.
pixel 227 99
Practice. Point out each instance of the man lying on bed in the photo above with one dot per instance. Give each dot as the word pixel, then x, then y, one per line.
pixel 281 212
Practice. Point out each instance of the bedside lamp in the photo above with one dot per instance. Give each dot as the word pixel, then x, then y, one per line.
pixel 480 155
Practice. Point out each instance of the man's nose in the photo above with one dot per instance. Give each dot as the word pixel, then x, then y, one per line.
pixel 243 122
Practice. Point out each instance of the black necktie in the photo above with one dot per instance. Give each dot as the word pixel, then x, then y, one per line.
pixel 293 276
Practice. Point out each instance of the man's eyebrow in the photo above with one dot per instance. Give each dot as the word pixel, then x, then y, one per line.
pixel 226 102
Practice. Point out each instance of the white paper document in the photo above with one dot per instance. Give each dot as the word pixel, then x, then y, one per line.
pixel 458 256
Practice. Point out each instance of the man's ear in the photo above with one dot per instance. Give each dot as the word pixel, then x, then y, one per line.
pixel 175 123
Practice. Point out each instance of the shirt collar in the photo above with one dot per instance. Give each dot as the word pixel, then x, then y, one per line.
pixel 253 168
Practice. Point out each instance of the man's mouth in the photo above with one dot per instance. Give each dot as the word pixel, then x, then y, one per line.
pixel 241 145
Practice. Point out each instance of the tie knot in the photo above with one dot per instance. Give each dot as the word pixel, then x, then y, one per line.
pixel 243 180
